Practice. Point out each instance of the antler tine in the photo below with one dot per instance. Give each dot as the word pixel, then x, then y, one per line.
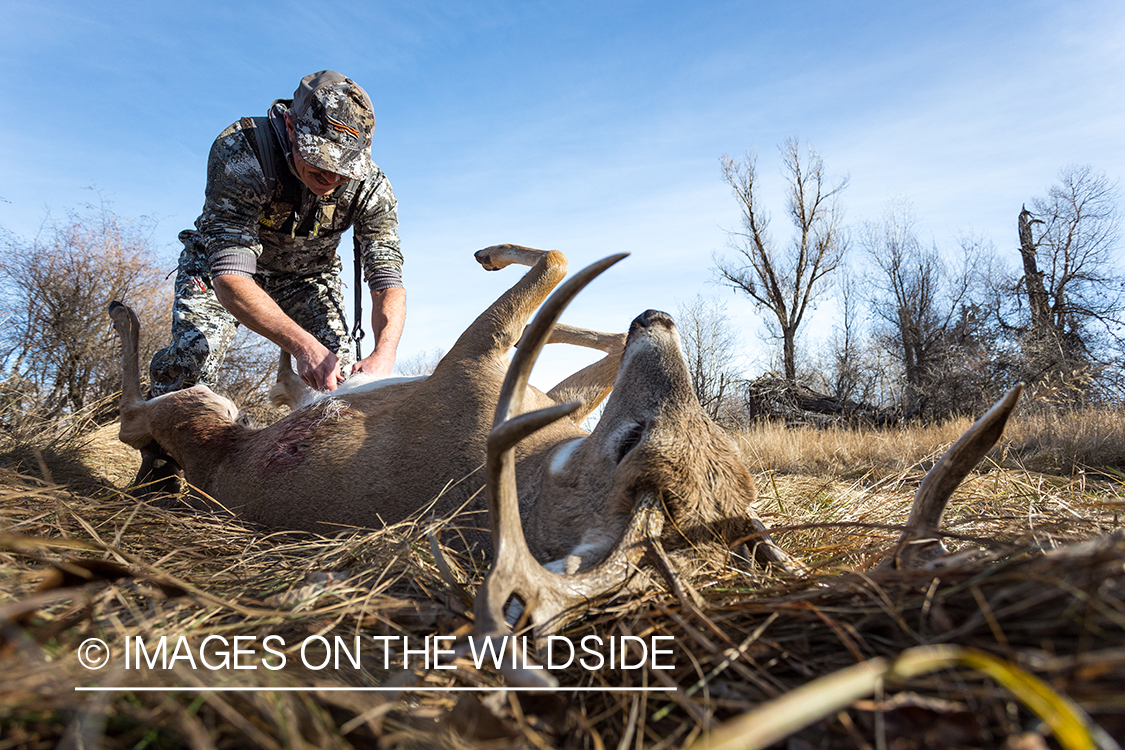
pixel 537 333
pixel 918 543
pixel 514 569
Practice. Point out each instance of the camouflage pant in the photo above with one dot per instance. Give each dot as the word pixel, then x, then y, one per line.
pixel 202 329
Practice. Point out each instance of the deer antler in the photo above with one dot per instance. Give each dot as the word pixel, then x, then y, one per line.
pixel 548 597
pixel 919 543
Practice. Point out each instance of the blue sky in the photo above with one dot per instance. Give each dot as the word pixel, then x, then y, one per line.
pixel 590 127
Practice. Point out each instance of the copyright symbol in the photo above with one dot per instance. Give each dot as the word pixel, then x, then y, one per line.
pixel 93 653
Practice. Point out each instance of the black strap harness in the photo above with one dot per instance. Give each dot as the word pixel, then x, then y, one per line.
pixel 264 143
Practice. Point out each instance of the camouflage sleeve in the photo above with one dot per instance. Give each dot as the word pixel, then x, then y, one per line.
pixel 236 195
pixel 376 233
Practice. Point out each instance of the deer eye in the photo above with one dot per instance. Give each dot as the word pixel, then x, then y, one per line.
pixel 629 441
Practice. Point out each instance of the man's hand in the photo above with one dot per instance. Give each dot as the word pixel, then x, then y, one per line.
pixel 376 364
pixel 319 370
pixel 316 366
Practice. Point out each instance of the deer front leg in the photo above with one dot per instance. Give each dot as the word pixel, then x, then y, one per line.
pixel 289 390
pixel 501 256
pixel 593 383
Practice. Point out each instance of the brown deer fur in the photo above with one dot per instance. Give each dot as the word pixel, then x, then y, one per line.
pixel 376 457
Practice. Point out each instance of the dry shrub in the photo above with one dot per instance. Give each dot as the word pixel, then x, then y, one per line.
pixel 56 339
pixel 32 441
pixel 841 452
pixel 1066 441
pixel 59 355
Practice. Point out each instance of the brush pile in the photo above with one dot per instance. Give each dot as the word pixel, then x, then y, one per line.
pixel 1042 606
pixel 777 399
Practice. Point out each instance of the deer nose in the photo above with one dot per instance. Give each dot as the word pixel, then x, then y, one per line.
pixel 653 318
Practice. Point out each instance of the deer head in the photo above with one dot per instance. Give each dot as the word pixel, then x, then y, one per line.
pixel 664 471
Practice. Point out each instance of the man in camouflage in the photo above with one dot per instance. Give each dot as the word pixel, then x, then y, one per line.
pixel 281 190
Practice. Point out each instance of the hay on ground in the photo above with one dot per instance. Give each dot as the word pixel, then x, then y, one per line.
pixel 93 562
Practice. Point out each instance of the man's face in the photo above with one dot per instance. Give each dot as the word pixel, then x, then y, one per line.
pixel 319 181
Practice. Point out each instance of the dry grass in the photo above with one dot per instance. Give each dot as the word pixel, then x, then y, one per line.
pixel 1051 441
pixel 169 571
pixel 840 452
pixel 1068 442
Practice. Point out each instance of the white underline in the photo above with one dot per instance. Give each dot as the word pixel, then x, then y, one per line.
pixel 373 689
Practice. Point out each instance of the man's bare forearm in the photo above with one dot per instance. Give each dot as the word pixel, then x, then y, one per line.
pixel 256 310
pixel 388 316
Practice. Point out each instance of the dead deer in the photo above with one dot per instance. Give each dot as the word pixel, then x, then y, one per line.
pixel 655 474
pixel 377 456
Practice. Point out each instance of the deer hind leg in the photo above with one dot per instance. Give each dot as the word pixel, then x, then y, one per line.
pixel 158 474
pixel 175 425
pixel 498 328
pixel 135 427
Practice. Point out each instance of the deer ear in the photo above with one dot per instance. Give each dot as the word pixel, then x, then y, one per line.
pixel 630 440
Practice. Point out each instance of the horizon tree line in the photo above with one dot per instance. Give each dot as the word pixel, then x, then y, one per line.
pixel 920 331
pixel 929 332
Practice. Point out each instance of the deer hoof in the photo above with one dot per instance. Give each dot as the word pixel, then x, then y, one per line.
pixel 490 258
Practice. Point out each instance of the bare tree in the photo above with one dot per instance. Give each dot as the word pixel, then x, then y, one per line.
pixel 1072 279
pixel 421 363
pixel 785 281
pixel 845 374
pixel 56 335
pixel 933 313
pixel 711 348
pixel 905 295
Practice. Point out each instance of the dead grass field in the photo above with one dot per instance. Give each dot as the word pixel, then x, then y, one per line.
pixel 79 559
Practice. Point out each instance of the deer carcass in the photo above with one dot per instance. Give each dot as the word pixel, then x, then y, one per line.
pixel 375 457
pixel 654 473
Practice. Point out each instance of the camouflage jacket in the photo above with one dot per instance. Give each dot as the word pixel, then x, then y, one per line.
pixel 246 231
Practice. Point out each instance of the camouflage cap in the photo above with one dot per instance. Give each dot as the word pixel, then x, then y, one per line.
pixel 332 120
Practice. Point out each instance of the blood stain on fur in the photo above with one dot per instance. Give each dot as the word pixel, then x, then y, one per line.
pixel 289 449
